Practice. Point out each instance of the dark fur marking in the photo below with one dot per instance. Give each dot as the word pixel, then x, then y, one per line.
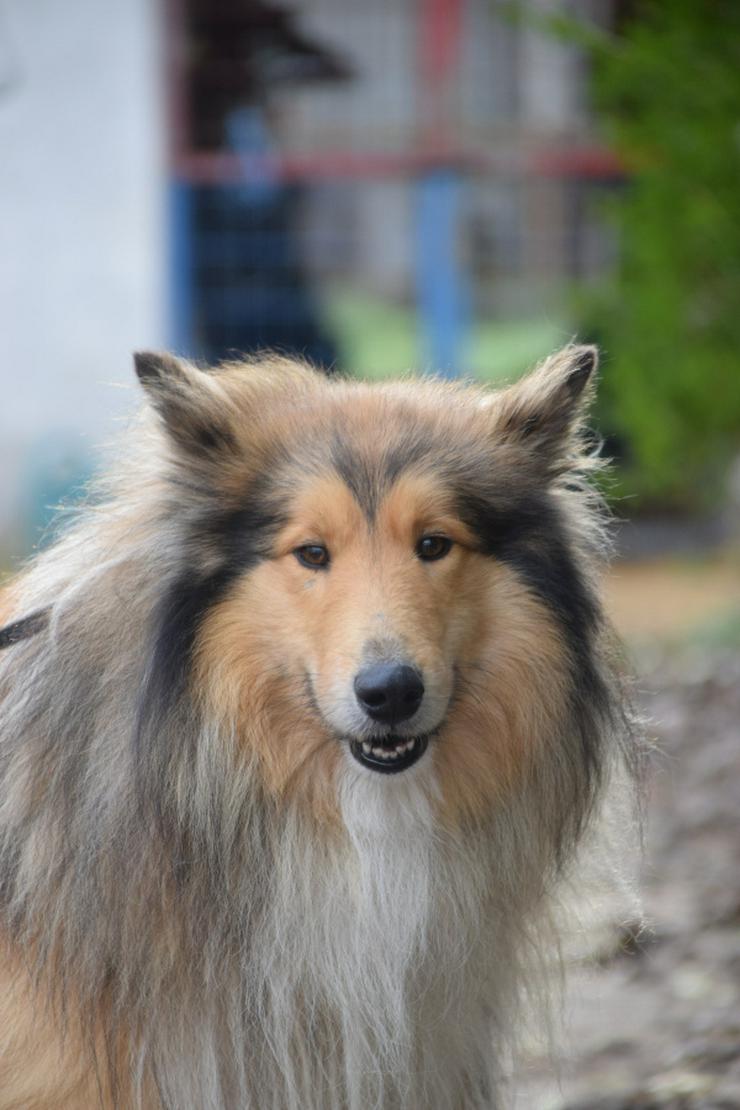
pixel 549 418
pixel 402 456
pixel 171 393
pixel 582 370
pixel 213 437
pixel 242 539
pixel 526 427
pixel 151 366
pixel 360 477
pixel 24 628
pixel 529 536
pixel 194 431
pixel 368 481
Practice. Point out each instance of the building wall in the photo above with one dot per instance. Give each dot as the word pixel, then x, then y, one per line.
pixel 82 229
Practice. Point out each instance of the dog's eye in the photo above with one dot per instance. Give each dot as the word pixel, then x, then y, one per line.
pixel 313 555
pixel 430 548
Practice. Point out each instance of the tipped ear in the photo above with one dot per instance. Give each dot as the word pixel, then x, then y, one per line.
pixel 544 410
pixel 188 400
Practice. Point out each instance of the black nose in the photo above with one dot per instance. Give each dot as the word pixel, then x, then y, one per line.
pixel 389 692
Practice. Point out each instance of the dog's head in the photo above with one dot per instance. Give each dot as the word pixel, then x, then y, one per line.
pixel 389 580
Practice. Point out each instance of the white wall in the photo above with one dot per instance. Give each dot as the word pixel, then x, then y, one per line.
pixel 82 223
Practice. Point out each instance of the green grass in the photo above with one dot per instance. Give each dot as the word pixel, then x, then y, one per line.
pixel 379 339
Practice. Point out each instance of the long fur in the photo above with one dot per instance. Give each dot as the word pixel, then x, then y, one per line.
pixel 195 938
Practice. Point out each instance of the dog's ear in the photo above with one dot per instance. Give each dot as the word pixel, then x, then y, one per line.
pixel 189 401
pixel 544 410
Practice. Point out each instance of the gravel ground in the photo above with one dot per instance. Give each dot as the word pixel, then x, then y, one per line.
pixel 655 1025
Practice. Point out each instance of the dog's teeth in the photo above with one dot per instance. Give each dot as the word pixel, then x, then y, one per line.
pixel 388 754
pixel 403 751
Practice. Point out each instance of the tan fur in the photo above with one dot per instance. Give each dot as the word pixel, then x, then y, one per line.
pixel 44 1064
pixel 490 742
pixel 8 604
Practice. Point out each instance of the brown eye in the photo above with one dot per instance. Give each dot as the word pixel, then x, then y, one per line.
pixel 312 555
pixel 430 548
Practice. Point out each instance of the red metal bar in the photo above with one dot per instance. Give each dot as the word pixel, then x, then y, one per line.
pixel 439 40
pixel 227 167
pixel 439 29
pixel 565 162
pixel 576 161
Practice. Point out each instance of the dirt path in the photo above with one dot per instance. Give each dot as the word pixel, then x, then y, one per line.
pixel 657 1026
pixel 660 598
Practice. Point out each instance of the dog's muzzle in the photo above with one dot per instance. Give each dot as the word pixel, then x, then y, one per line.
pixel 389 693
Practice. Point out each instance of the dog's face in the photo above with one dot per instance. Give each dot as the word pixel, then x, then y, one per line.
pixel 385 574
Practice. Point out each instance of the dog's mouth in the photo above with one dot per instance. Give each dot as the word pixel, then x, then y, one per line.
pixel 389 754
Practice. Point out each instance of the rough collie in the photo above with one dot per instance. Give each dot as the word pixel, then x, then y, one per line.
pixel 301 725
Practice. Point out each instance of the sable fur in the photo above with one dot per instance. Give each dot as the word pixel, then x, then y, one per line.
pixel 204 901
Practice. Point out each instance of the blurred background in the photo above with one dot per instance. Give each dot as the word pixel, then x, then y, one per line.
pixel 456 186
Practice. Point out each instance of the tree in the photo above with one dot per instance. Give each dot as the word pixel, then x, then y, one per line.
pixel 668 89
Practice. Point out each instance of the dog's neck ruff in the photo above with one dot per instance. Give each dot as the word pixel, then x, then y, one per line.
pixel 375 959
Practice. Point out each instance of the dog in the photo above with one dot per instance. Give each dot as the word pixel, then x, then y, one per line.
pixel 302 724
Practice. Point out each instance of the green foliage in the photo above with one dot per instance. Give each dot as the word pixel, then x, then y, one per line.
pixel 668 89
